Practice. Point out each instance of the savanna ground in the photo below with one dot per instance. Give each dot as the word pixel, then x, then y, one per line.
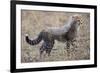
pixel 32 22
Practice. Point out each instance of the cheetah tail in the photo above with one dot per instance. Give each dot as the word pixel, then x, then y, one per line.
pixel 34 41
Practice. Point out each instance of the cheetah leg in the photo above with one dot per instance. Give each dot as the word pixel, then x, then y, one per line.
pixel 49 48
pixel 42 49
pixel 67 48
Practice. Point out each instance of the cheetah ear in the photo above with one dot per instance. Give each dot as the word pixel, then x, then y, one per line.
pixel 73 17
pixel 77 17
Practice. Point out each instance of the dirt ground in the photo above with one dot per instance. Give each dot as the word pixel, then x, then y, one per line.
pixel 32 22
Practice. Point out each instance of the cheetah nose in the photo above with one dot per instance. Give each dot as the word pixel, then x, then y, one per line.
pixel 80 23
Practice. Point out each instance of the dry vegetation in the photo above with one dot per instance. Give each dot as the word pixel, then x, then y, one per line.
pixel 34 21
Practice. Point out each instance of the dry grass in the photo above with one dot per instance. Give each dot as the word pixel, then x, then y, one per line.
pixel 34 21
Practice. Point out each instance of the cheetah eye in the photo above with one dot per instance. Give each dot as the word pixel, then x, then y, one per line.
pixel 78 20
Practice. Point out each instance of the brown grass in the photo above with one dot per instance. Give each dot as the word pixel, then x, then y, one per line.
pixel 34 21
